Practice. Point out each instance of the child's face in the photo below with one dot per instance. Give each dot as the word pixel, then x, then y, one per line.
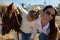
pixel 29 18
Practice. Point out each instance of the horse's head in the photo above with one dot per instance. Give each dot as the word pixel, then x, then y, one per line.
pixel 17 12
pixel 6 11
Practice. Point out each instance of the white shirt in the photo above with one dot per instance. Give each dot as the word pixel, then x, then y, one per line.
pixel 45 29
pixel 27 27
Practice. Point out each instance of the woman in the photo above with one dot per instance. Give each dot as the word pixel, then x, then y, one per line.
pixel 46 24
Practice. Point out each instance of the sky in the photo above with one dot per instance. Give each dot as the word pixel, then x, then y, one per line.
pixel 32 2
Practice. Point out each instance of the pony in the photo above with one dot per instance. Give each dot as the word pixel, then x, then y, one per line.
pixel 11 18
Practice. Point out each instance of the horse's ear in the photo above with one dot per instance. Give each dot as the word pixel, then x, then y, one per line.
pixel 10 6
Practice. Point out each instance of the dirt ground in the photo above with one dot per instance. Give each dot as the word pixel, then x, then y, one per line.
pixel 10 36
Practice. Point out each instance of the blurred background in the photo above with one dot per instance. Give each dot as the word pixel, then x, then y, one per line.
pixel 30 4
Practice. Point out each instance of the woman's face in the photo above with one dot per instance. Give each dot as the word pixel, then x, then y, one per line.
pixel 49 14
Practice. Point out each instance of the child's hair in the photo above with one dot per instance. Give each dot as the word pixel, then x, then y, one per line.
pixel 33 14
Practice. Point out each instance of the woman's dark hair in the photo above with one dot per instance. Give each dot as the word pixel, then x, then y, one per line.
pixel 33 14
pixel 49 6
pixel 53 29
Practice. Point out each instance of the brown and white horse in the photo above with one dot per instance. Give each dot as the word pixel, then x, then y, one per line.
pixel 10 18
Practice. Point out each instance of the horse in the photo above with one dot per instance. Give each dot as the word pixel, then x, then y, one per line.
pixel 11 18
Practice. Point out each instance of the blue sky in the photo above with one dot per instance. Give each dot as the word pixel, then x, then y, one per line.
pixel 33 2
